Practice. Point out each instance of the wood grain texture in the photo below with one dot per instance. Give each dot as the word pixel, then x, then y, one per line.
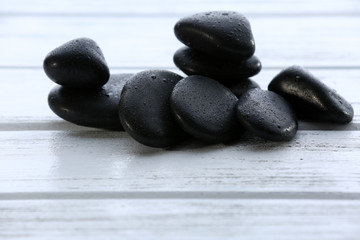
pixel 138 8
pixel 62 181
pixel 180 219
pixel 76 161
pixel 151 43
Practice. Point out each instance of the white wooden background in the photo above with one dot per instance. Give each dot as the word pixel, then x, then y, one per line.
pixel 62 181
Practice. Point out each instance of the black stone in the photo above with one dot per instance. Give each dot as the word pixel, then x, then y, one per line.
pixel 219 33
pixel 90 107
pixel 267 115
pixel 78 63
pixel 144 108
pixel 310 98
pixel 242 86
pixel 205 109
pixel 193 62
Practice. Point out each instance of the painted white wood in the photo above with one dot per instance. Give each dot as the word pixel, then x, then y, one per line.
pixel 86 161
pixel 62 181
pixel 144 7
pixel 150 42
pixel 180 219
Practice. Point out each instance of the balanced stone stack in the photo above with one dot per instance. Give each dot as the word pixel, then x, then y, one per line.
pixel 86 94
pixel 217 102
pixel 219 56
pixel 219 45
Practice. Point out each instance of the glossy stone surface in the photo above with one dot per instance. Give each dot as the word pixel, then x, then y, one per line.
pixel 193 62
pixel 220 33
pixel 144 108
pixel 90 107
pixel 311 99
pixel 78 63
pixel 267 115
pixel 205 109
pixel 241 87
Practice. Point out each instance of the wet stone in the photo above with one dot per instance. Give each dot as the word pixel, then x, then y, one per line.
pixel 205 109
pixel 193 62
pixel 267 115
pixel 90 107
pixel 219 33
pixel 78 63
pixel 310 98
pixel 242 86
pixel 144 108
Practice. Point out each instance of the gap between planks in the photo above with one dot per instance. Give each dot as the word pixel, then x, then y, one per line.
pixel 173 68
pixel 56 124
pixel 127 46
pixel 34 113
pixel 181 195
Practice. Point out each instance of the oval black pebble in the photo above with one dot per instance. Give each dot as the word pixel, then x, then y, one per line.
pixel 310 98
pixel 144 108
pixel 78 63
pixel 220 33
pixel 205 109
pixel 90 107
pixel 192 62
pixel 242 86
pixel 267 115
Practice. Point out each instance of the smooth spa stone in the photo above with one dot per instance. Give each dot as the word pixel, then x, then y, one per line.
pixel 241 87
pixel 144 108
pixel 192 62
pixel 205 109
pixel 219 33
pixel 310 98
pixel 78 63
pixel 90 107
pixel 267 115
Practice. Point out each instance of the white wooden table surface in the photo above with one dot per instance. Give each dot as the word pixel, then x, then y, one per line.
pixel 62 181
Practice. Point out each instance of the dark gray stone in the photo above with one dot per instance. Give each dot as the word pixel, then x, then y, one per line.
pixel 220 33
pixel 90 107
pixel 242 86
pixel 267 115
pixel 193 62
pixel 310 98
pixel 205 109
pixel 144 108
pixel 78 63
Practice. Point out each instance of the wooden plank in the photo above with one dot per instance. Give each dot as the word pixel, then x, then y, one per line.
pixel 173 7
pixel 23 106
pixel 92 161
pixel 180 219
pixel 61 181
pixel 150 42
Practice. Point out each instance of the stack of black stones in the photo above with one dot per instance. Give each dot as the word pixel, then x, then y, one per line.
pixel 216 102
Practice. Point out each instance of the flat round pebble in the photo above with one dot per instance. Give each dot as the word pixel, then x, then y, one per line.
pixel 205 109
pixel 220 33
pixel 193 62
pixel 241 87
pixel 267 115
pixel 90 107
pixel 144 108
pixel 78 63
pixel 311 99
